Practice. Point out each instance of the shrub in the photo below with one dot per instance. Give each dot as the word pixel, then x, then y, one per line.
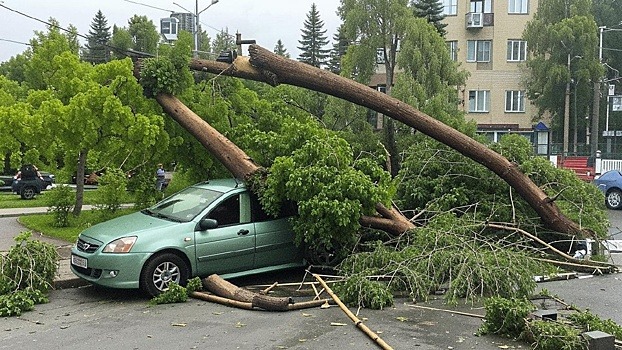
pixel 60 201
pixel 111 191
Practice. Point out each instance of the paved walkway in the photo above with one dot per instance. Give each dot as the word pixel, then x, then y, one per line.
pixel 10 227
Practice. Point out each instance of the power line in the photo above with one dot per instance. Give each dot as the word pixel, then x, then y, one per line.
pixel 114 48
pixel 15 42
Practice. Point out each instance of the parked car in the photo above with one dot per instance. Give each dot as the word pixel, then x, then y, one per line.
pixel 48 179
pixel 212 227
pixel 6 181
pixel 610 183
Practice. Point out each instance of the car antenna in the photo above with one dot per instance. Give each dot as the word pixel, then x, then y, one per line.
pixel 236 182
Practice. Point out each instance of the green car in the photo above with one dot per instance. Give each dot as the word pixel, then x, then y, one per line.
pixel 212 227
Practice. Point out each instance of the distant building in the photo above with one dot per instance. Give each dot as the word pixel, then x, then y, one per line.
pixel 485 37
pixel 186 21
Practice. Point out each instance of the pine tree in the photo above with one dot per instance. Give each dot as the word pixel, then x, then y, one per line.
pixel 340 46
pixel 313 40
pixel 280 49
pixel 97 50
pixel 432 11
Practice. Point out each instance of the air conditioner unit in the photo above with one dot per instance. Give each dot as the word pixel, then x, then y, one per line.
pixel 474 20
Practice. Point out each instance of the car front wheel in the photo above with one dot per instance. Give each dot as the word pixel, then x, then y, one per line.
pixel 613 199
pixel 160 271
pixel 28 192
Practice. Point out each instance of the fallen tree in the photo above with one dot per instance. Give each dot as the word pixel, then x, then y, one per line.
pixel 388 219
pixel 270 68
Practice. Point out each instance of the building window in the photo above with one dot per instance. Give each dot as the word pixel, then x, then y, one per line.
pixel 479 101
pixel 515 101
pixel 517 50
pixel 453 49
pixel 478 50
pixel 518 6
pixel 450 7
pixel 380 56
pixel 481 6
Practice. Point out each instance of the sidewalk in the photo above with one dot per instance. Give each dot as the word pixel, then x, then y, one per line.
pixel 65 278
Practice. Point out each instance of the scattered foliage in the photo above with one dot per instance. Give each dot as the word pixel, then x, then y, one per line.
pixel 506 316
pixel 548 335
pixel 451 253
pixel 26 274
pixel 176 293
pixel 590 322
pixel 360 291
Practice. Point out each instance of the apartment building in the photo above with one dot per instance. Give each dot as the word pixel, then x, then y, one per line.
pixel 485 37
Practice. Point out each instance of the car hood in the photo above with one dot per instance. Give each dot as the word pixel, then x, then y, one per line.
pixel 127 225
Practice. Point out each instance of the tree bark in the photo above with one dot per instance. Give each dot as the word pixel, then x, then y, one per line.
pixel 230 155
pixel 265 66
pixel 77 209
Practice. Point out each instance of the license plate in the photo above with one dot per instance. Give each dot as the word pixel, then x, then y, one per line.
pixel 78 261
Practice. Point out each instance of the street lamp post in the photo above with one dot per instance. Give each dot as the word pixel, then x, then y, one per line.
pixel 196 22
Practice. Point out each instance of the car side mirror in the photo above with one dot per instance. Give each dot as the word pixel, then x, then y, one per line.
pixel 207 224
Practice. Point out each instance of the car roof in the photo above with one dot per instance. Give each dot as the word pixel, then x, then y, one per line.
pixel 222 185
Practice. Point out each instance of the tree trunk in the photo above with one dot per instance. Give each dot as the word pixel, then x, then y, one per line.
pixel 77 209
pixel 265 66
pixel 230 155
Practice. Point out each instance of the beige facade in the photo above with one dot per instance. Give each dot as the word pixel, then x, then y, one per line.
pixel 486 39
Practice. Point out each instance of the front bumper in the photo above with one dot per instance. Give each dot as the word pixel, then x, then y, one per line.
pixel 110 269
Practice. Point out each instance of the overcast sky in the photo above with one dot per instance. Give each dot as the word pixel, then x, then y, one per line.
pixel 263 20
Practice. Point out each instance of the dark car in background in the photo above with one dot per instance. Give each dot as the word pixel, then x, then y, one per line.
pixel 610 183
pixel 27 189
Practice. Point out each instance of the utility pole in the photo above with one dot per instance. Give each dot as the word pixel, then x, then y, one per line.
pixel 567 113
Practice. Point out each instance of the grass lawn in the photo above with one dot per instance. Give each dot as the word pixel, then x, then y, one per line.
pixel 12 200
pixel 43 223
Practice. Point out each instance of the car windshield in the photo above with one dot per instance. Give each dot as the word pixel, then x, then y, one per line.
pixel 185 205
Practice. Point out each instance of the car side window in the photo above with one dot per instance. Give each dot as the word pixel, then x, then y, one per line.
pixel 287 209
pixel 227 212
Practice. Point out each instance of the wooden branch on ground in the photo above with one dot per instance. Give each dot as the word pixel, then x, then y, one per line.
pixel 249 306
pixel 359 324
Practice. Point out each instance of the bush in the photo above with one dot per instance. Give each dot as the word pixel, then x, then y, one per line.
pixel 60 201
pixel 111 191
pixel 145 194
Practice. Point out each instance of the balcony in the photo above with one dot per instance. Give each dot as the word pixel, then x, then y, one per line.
pixel 476 20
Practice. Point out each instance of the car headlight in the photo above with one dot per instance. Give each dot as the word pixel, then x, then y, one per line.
pixel 121 245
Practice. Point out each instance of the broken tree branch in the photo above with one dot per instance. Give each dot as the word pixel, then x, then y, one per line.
pixel 570 262
pixel 359 324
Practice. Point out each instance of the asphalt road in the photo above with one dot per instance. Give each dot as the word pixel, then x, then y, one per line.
pixel 91 318
pixel 96 318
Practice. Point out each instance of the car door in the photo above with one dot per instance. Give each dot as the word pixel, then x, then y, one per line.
pixel 230 247
pixel 274 237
